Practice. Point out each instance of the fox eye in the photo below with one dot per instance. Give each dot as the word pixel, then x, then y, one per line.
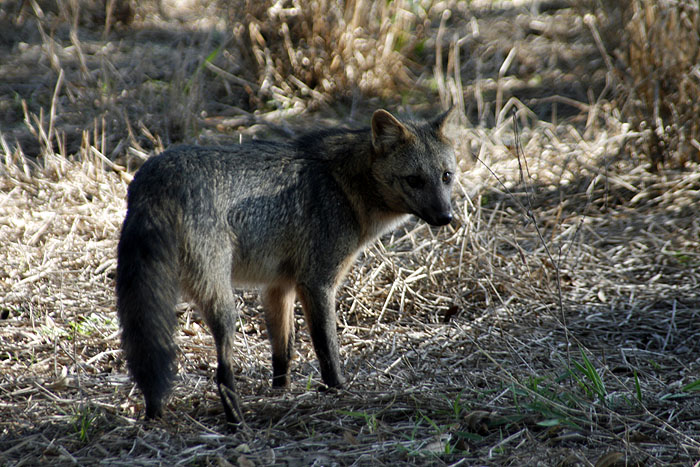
pixel 415 181
pixel 446 177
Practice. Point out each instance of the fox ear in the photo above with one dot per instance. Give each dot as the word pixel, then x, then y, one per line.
pixel 387 130
pixel 441 120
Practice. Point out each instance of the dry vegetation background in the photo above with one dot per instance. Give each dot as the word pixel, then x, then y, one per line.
pixel 555 322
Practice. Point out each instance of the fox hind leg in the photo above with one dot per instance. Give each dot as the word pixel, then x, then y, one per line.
pixel 209 285
pixel 279 317
pixel 224 329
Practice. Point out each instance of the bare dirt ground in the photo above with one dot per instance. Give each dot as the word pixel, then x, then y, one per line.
pixel 556 321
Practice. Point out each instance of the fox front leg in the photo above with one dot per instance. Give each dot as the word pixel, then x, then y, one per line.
pixel 319 309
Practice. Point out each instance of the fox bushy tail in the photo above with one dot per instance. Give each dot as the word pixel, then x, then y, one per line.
pixel 147 292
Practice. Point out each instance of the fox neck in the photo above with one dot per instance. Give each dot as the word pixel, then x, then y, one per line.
pixel 353 172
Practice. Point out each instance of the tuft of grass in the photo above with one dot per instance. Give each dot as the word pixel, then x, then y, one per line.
pixel 310 51
pixel 551 402
pixel 692 387
pixel 589 378
pixel 655 65
pixel 83 422
pixel 637 387
pixel 370 419
pixel 92 324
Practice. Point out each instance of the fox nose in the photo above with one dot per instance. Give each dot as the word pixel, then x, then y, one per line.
pixel 443 218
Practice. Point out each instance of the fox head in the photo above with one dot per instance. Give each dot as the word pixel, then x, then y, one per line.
pixel 414 165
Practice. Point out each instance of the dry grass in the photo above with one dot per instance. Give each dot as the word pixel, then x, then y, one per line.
pixel 554 322
pixel 317 51
pixel 656 68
